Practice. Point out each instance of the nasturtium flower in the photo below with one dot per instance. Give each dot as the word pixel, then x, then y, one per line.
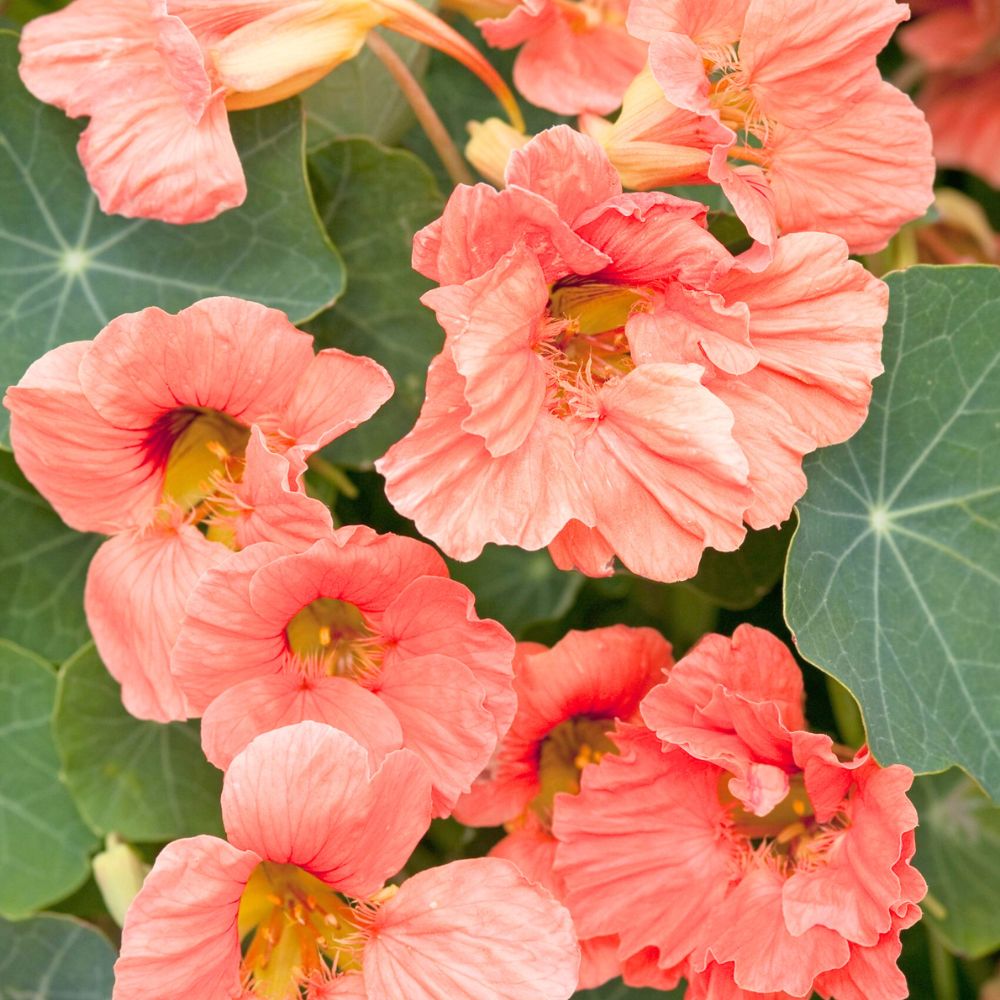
pixel 157 78
pixel 754 856
pixel 362 631
pixel 614 381
pixel 183 436
pixel 313 833
pixel 568 698
pixel 781 103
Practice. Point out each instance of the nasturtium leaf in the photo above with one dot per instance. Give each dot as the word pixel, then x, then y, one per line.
pixel 617 990
pixel 360 97
pixel 66 268
pixel 516 587
pixel 372 201
pixel 143 780
pixel 893 577
pixel 44 565
pixel 958 844
pixel 44 844
pixel 738 580
pixel 54 958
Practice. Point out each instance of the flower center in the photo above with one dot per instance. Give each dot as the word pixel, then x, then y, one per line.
pixel 332 637
pixel 563 755
pixel 585 344
pixel 731 96
pixel 296 930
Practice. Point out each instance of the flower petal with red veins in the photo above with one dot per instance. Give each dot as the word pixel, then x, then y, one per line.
pixel 716 983
pixel 708 22
pixel 256 706
pixel 748 929
pixel 805 59
pixel 437 616
pixel 750 193
pixel 306 795
pixel 679 69
pixel 640 847
pixel 462 497
pixel 137 586
pixel 180 936
pixel 471 930
pixel 870 972
pixel 224 354
pixel 568 169
pixel 662 455
pixel 479 225
pixel 93 473
pixel 864 173
pixel 816 321
pixel 494 323
pixel 439 705
pixel 586 549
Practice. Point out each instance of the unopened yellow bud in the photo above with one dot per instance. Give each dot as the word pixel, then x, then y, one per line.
pixel 119 873
pixel 490 146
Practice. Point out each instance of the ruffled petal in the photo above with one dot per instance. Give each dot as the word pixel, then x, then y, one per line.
pixel 306 795
pixel 472 930
pixel 261 704
pixel 137 586
pixel 180 936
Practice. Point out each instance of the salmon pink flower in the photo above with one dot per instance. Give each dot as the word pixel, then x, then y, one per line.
pixel 958 45
pixel 157 77
pixel 613 381
pixel 575 57
pixel 568 697
pixel 763 860
pixel 313 835
pixel 365 632
pixel 780 103
pixel 166 424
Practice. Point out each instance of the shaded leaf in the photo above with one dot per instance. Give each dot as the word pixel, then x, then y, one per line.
pixel 54 958
pixel 893 577
pixel 145 781
pixel 44 565
pixel 958 844
pixel 44 845
pixel 372 200
pixel 66 269
pixel 617 990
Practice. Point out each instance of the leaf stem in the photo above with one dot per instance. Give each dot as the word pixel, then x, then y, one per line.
pixel 846 712
pixel 429 119
pixel 328 471
pixel 944 973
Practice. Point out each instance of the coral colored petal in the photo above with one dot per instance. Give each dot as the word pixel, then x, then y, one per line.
pixel 268 509
pixel 344 987
pixel 92 472
pixel 774 447
pixel 572 71
pixel 749 191
pixel 870 972
pixel 479 225
pixel 462 497
pixel 493 323
pixel 654 237
pixel 306 795
pixel 566 168
pixel 261 704
pixel 436 616
pixel 716 983
pixel 662 455
pixel 805 59
pixel 708 22
pixel 472 930
pixel 816 321
pixel 863 174
pixel 679 69
pixel 748 929
pixel 335 393
pixel 221 640
pixel 180 936
pixel 526 19
pixel 224 354
pixel 640 847
pixel 440 708
pixel 582 548
pixel 137 586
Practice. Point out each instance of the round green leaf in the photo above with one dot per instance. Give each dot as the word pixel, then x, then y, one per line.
pixel 44 565
pixel 44 845
pixel 372 201
pixel 958 844
pixel 142 780
pixel 54 958
pixel 66 268
pixel 893 578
